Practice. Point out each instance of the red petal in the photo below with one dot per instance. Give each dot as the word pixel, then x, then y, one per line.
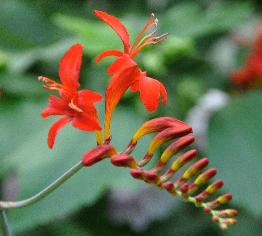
pixel 55 128
pixel 87 121
pixel 117 26
pixel 163 93
pixel 69 67
pixel 118 85
pixel 120 64
pixel 56 106
pixel 149 92
pixel 108 53
pixel 87 98
pixel 135 85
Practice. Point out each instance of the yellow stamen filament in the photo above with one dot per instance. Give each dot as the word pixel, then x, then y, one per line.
pixel 148 39
pixel 74 107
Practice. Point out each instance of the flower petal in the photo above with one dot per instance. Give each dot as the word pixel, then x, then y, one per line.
pixel 69 67
pixel 120 64
pixel 163 93
pixel 150 92
pixel 59 124
pixel 87 98
pixel 118 85
pixel 56 106
pixel 87 121
pixel 117 26
pixel 108 53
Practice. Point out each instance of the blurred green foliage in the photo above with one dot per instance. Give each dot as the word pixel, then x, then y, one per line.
pixel 34 34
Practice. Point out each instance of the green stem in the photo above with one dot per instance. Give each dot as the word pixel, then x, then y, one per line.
pixel 5 225
pixel 50 188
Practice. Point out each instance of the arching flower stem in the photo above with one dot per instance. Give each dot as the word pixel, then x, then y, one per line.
pixel 43 193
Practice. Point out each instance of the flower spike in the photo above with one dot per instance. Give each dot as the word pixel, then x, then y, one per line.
pixel 163 172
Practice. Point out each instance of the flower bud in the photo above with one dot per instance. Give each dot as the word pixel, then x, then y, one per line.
pixel 192 171
pixel 137 173
pixel 178 163
pixel 211 189
pixel 97 154
pixel 224 199
pixel 156 125
pixel 176 147
pixel 202 179
pixel 226 213
pixel 123 160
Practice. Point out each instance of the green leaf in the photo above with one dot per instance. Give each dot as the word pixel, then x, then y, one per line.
pixel 26 28
pixel 96 35
pixel 188 19
pixel 234 137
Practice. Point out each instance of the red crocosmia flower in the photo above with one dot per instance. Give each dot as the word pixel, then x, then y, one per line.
pixel 125 71
pixel 74 106
pixel 250 75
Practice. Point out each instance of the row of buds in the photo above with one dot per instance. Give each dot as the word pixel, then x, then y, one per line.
pixel 188 185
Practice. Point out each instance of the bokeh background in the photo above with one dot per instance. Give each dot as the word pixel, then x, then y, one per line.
pixel 208 40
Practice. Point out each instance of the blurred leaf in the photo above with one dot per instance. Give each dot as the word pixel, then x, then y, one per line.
pixel 69 229
pixel 234 137
pixel 22 26
pixel 187 19
pixel 19 62
pixel 20 86
pixel 36 166
pixel 96 35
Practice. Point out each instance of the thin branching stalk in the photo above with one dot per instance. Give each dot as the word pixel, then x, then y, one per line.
pixel 5 226
pixel 42 194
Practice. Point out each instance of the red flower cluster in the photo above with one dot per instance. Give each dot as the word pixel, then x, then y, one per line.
pixel 251 73
pixel 125 71
pixel 78 107
pixel 74 106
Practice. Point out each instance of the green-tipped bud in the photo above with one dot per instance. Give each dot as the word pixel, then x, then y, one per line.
pixel 202 179
pixel 211 189
pixel 224 199
pixel 178 163
pixel 192 171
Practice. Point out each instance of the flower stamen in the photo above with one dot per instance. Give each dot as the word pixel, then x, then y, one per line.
pixel 74 106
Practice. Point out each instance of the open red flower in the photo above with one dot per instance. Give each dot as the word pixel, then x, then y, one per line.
pixel 74 106
pixel 125 71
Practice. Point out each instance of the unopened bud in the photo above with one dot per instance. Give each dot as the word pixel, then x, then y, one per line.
pixel 167 135
pixel 97 154
pixel 226 213
pixel 156 125
pixel 175 147
pixel 123 160
pixel 211 189
pixel 224 199
pixel 137 173
pixel 192 171
pixel 178 163
pixel 202 179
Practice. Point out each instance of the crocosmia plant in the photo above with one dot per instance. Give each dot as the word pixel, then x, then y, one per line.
pixel 177 169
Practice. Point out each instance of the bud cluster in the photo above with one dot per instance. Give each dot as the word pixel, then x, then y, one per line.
pixel 190 185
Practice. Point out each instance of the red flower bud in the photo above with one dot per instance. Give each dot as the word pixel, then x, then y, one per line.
pixel 123 160
pixel 97 154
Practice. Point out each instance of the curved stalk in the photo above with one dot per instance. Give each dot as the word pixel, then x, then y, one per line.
pixel 5 225
pixel 50 188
